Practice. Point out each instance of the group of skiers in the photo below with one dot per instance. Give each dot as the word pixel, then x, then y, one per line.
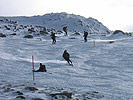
pixel 65 55
pixel 53 37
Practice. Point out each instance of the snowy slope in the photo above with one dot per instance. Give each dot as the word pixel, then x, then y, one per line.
pixel 101 71
pixel 58 20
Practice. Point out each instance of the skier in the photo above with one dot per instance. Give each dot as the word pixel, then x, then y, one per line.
pixel 53 37
pixel 65 29
pixel 66 56
pixel 41 69
pixel 85 36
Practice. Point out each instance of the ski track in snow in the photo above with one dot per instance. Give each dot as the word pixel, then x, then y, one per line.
pixel 102 67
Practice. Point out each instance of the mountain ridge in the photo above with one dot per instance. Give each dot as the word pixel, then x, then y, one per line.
pixel 75 23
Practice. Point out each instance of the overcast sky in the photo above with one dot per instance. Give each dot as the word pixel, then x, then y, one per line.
pixel 115 14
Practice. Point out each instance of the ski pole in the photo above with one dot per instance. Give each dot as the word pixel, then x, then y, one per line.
pixel 33 65
pixel 94 43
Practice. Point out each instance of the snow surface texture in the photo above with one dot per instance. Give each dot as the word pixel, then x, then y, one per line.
pixel 102 70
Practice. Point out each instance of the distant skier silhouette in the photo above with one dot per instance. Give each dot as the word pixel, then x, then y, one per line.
pixel 42 68
pixel 53 37
pixel 65 29
pixel 66 56
pixel 85 36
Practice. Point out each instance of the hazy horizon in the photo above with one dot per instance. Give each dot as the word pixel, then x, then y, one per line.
pixel 116 15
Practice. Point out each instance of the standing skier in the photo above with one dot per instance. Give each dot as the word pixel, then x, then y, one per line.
pixel 65 29
pixel 53 37
pixel 85 36
pixel 66 56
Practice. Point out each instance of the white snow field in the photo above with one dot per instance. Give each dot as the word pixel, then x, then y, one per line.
pixel 102 70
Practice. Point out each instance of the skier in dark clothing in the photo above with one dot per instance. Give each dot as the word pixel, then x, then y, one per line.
pixel 65 29
pixel 66 56
pixel 85 36
pixel 41 69
pixel 53 37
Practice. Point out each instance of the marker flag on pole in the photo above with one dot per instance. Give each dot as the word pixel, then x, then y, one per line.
pixel 33 65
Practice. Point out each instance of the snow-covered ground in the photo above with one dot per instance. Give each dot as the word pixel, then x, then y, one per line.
pixel 102 70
